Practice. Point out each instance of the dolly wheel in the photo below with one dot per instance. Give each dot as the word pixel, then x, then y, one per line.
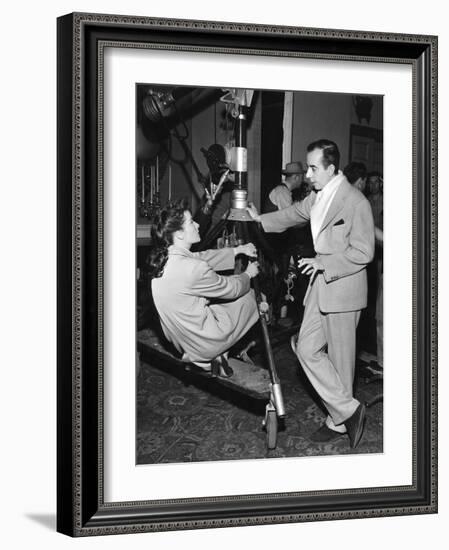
pixel 271 426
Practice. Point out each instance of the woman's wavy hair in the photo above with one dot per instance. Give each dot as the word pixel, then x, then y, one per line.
pixel 165 225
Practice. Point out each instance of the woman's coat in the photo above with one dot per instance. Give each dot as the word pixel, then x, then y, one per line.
pixel 182 295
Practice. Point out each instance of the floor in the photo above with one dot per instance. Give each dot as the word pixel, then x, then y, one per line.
pixel 185 418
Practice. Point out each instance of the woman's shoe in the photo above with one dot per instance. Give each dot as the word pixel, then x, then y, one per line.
pixel 220 367
pixel 206 367
pixel 225 370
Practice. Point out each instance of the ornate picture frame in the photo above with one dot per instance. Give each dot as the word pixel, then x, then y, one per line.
pixel 82 509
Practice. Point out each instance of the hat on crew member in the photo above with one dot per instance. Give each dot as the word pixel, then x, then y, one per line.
pixel 293 168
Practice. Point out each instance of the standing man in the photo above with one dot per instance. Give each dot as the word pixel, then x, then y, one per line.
pixel 281 195
pixel 343 234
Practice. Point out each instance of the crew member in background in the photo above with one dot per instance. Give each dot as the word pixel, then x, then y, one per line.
pixel 281 195
pixel 355 173
pixel 375 195
pixel 218 190
pixel 374 188
pixel 295 242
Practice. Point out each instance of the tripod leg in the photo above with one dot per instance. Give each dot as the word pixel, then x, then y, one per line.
pixel 263 322
pixel 255 232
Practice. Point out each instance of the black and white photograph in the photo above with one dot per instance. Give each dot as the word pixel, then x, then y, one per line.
pixel 174 354
pixel 227 300
pixel 259 251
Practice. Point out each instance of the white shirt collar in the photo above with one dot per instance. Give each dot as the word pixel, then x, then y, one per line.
pixel 330 187
pixel 322 203
pixel 179 250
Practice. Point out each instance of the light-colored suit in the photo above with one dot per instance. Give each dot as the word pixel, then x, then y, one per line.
pixel 344 245
pixel 199 329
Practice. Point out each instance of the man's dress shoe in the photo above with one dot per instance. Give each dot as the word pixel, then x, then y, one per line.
pixel 355 424
pixel 325 435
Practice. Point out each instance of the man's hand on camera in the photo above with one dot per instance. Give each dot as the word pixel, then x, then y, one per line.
pixel 252 211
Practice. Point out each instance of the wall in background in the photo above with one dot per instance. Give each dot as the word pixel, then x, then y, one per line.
pixel 326 115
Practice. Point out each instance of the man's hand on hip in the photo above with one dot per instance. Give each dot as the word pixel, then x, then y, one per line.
pixel 310 266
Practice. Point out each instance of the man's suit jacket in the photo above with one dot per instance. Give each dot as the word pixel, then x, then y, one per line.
pixel 344 244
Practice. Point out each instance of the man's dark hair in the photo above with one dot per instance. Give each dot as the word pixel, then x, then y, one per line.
pixel 331 154
pixel 354 170
pixel 373 174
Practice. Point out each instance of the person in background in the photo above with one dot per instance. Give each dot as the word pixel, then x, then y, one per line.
pixel 212 197
pixel 343 235
pixel 281 195
pixel 370 185
pixel 202 313
pixel 375 195
pixel 217 194
pixel 355 173
pixel 380 296
pixel 374 189
pixel 292 243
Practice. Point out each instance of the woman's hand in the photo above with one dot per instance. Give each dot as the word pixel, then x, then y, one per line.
pixel 252 211
pixel 247 249
pixel 252 270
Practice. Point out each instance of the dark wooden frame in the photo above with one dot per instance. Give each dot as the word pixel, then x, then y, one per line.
pixel 81 508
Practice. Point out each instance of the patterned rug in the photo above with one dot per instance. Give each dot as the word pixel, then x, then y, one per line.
pixel 183 418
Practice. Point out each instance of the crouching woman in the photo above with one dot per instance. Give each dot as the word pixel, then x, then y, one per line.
pixel 202 313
